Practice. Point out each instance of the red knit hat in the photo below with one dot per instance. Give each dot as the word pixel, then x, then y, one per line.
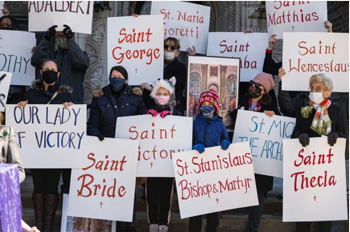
pixel 210 96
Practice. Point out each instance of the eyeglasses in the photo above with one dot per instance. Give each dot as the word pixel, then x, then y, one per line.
pixel 255 83
pixel 172 48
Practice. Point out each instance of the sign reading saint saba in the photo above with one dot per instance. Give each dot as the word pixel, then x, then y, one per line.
pixel 76 14
pixel 15 55
pixel 314 181
pixel 159 139
pixel 136 43
pixel 49 136
pixel 216 180
pixel 295 16
pixel 265 135
pixel 105 187
pixel 250 47
pixel 5 80
pixel 187 22
pixel 305 54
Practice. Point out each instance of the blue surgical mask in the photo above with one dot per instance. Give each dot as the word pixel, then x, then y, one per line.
pixel 116 83
pixel 207 110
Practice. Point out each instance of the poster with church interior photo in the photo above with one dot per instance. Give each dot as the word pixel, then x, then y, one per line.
pixel 219 74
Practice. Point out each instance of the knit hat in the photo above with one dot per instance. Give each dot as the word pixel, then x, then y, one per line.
pixel 210 96
pixel 120 69
pixel 166 84
pixel 266 80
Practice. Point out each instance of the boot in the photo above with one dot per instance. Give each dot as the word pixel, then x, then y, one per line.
pixel 51 201
pixel 38 201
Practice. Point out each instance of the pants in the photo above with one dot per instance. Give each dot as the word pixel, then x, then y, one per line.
pixel 66 173
pixel 195 224
pixel 305 226
pixel 159 195
pixel 254 214
pixel 46 180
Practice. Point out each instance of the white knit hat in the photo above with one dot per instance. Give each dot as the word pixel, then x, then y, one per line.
pixel 166 84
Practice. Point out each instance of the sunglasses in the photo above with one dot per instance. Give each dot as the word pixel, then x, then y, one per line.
pixel 255 83
pixel 172 48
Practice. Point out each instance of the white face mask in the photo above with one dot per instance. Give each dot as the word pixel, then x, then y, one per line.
pixel 169 56
pixel 316 97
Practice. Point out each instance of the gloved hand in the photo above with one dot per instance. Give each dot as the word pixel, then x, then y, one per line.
pixel 67 32
pixel 152 112
pixel 304 139
pixel 199 147
pixel 51 32
pixel 332 138
pixel 225 144
pixel 100 137
pixel 164 113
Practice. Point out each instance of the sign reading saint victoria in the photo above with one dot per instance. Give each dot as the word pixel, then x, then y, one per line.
pixel 215 180
pixel 105 187
pixel 295 16
pixel 314 181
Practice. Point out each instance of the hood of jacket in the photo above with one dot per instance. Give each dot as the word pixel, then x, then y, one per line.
pixel 38 84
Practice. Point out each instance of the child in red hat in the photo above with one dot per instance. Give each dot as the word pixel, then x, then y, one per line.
pixel 208 131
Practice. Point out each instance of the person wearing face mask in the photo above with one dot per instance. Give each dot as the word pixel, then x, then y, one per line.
pixel 319 117
pixel 258 99
pixel 159 191
pixel 208 131
pixel 47 90
pixel 172 68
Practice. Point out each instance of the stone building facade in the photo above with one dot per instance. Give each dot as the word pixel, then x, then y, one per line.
pixel 225 16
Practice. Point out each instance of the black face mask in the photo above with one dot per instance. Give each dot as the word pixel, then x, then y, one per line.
pixel 49 76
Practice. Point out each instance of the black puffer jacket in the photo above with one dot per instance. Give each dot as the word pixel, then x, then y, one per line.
pixel 107 106
pixel 38 95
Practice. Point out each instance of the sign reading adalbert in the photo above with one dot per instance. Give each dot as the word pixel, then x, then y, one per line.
pixel 314 181
pixel 76 14
pixel 187 22
pixel 136 43
pixel 295 16
pixel 49 136
pixel 250 47
pixel 265 135
pixel 5 80
pixel 214 179
pixel 160 138
pixel 15 55
pixel 105 187
pixel 305 54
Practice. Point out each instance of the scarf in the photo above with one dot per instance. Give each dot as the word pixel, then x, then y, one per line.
pixel 257 107
pixel 321 123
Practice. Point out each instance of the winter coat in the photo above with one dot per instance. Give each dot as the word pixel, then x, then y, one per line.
pixel 38 95
pixel 160 108
pixel 177 70
pixel 209 131
pixel 336 115
pixel 72 62
pixel 263 183
pixel 10 151
pixel 106 107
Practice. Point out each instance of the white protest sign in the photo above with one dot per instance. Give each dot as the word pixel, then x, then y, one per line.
pixel 105 187
pixel 76 14
pixel 15 55
pixel 136 43
pixel 187 22
pixel 49 136
pixel 5 80
pixel 1 6
pixel 295 16
pixel 314 181
pixel 213 179
pixel 159 139
pixel 306 54
pixel 250 47
pixel 265 135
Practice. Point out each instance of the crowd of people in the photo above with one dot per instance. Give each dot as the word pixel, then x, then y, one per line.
pixel 61 66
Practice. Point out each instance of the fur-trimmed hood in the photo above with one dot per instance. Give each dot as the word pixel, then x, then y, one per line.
pixel 98 92
pixel 36 84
